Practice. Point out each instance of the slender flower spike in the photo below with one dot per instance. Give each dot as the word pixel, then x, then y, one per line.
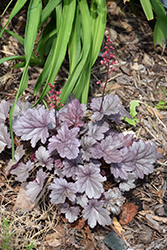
pixel 54 97
pixel 108 61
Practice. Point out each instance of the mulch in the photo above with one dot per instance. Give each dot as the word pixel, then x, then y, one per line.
pixel 141 74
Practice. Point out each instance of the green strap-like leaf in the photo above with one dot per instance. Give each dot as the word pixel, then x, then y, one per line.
pixel 74 46
pixel 48 10
pixel 19 38
pixel 62 41
pixel 147 7
pixel 43 76
pixel 74 82
pixel 19 4
pixel 160 29
pixel 8 58
pixel 98 14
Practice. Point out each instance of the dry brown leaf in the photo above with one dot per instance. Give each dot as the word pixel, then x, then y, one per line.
pixel 153 110
pixel 79 224
pixel 88 232
pixel 23 201
pixel 128 212
pixel 117 225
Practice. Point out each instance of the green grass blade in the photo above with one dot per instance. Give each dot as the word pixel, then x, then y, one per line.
pixel 19 4
pixel 147 7
pixel 23 83
pixel 7 7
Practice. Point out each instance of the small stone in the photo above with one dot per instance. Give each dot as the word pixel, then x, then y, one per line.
pixel 113 34
pixel 145 235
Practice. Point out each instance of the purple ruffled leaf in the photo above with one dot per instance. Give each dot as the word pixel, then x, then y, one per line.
pixel 95 212
pixel 20 107
pixel 82 199
pixel 146 156
pixel 109 107
pixel 71 213
pixel 128 184
pixel 71 167
pixel 33 125
pixel 35 187
pixel 22 171
pixel 5 140
pixel 62 189
pixel 114 200
pixel 89 180
pixel 96 130
pixel 72 114
pixel 122 168
pixel 86 147
pixel 108 149
pixel 4 110
pixel 65 142
pixel 43 158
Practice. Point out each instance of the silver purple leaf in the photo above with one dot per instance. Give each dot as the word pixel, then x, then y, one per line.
pixel 60 190
pixel 4 110
pixel 43 158
pixel 35 187
pixel 114 200
pixel 33 125
pixel 71 213
pixel 89 180
pixel 22 171
pixel 5 140
pixel 65 142
pixel 72 114
pixel 146 156
pixel 96 130
pixel 109 106
pixel 95 212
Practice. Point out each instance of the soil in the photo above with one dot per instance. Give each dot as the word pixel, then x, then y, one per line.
pixel 141 74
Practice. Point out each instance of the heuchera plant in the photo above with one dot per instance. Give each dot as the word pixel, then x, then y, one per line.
pixel 72 151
